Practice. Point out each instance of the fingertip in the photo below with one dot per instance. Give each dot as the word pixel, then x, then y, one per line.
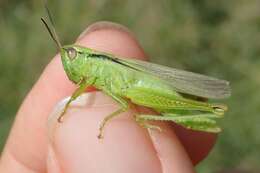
pixel 113 38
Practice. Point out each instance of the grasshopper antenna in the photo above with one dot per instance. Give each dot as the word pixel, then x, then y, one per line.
pixel 52 31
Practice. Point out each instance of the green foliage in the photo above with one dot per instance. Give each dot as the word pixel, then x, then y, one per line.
pixel 217 38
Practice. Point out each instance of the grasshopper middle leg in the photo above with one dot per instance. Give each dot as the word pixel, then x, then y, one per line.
pixel 124 106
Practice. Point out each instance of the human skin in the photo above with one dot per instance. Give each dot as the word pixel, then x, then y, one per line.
pixel 73 146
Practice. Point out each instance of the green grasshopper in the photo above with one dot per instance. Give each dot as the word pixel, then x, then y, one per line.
pixel 170 92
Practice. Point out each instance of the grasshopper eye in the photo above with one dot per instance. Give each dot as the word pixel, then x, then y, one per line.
pixel 72 53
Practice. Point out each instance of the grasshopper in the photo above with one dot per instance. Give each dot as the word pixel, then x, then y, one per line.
pixel 170 92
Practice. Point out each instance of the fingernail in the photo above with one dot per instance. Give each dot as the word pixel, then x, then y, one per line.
pixel 126 146
pixel 92 99
pixel 104 25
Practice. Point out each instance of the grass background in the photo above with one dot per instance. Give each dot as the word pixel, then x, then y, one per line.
pixel 218 38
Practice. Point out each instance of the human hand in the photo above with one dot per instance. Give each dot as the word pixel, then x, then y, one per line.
pixel 73 146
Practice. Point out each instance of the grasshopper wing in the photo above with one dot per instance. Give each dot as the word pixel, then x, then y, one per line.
pixel 183 81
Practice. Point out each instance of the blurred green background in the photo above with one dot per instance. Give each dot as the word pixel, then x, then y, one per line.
pixel 218 38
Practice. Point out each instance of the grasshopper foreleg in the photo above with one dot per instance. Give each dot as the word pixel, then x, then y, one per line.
pixel 83 84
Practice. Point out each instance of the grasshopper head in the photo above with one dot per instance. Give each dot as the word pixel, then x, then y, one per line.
pixel 74 61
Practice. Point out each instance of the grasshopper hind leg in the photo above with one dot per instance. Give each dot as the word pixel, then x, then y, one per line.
pixel 201 122
pixel 189 113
